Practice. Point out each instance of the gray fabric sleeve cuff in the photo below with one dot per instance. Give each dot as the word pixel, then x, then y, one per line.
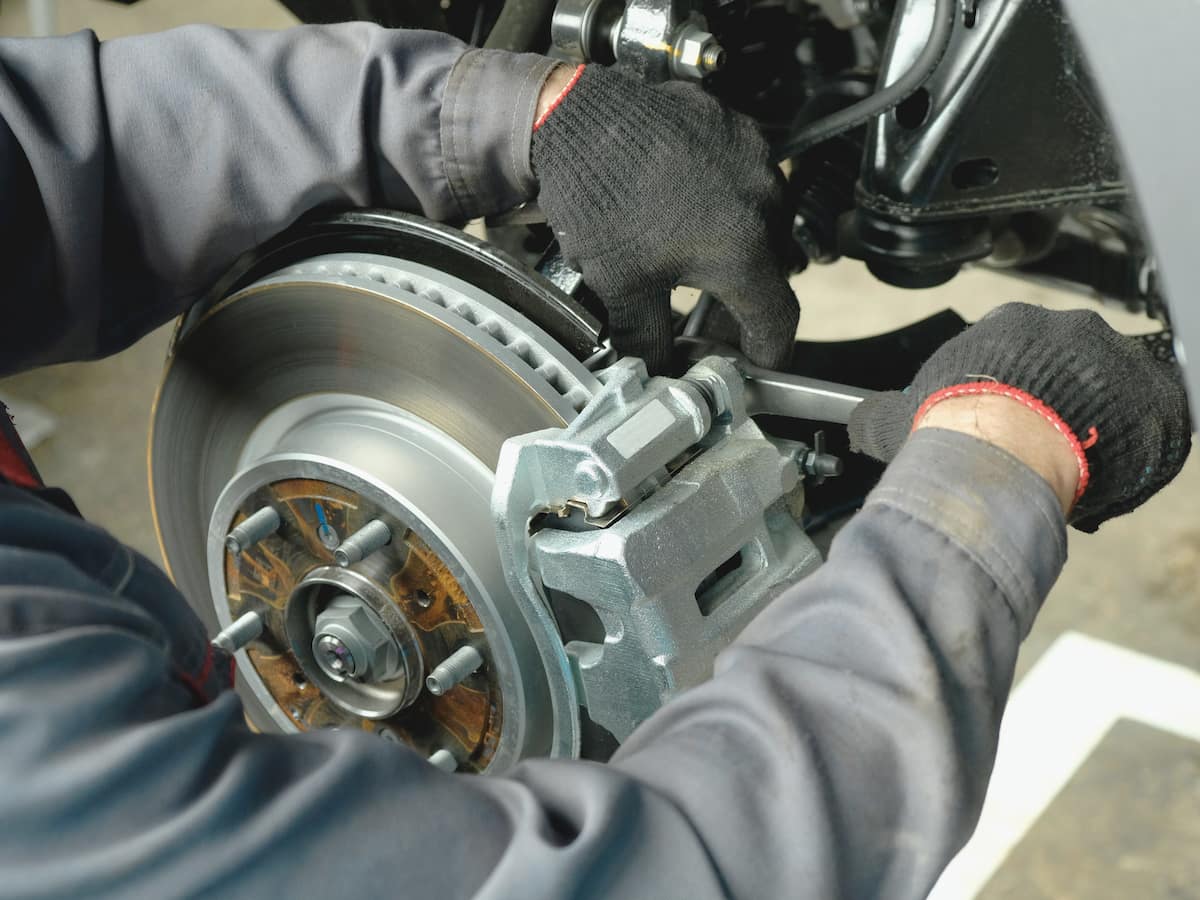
pixel 487 124
pixel 987 502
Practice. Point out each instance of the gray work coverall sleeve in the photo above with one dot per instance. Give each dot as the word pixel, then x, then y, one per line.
pixel 134 171
pixel 841 750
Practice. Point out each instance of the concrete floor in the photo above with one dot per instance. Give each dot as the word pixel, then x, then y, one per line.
pixel 1126 825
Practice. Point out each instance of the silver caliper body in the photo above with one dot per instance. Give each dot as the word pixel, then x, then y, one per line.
pixel 663 510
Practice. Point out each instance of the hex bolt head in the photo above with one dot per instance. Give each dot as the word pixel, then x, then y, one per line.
pixel 695 53
pixel 351 641
pixel 251 530
pixel 358 546
pixel 444 760
pixel 239 633
pixel 453 669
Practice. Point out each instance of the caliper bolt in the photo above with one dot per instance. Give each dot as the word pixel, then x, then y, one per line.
pixel 251 530
pixel 358 546
pixel 444 760
pixel 695 53
pixel 453 669
pixel 589 479
pixel 239 633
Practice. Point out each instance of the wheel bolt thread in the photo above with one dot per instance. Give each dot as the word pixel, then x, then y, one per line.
pixel 251 530
pixel 453 669
pixel 444 760
pixel 239 633
pixel 371 537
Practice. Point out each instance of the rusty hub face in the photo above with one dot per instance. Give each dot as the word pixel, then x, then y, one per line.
pixel 383 536
pixel 425 603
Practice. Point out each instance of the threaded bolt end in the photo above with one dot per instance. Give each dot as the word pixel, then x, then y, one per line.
pixel 371 537
pixel 453 669
pixel 713 57
pixel 251 530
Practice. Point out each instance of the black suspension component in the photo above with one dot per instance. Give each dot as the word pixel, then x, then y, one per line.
pixel 916 255
pixel 821 186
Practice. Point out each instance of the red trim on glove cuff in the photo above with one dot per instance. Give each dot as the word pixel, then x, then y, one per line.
pixel 15 464
pixel 976 388
pixel 197 683
pixel 559 99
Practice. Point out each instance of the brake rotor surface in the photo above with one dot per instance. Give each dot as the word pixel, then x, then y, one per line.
pixel 357 394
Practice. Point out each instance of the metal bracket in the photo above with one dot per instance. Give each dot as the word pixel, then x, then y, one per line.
pixel 693 483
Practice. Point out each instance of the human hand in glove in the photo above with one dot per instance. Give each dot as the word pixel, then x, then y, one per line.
pixel 651 186
pixel 1121 413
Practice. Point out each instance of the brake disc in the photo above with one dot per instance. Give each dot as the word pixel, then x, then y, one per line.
pixel 362 399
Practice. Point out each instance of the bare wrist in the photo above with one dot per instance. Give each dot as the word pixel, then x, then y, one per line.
pixel 555 86
pixel 1016 429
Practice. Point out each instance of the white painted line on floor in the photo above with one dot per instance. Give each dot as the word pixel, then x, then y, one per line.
pixel 1056 717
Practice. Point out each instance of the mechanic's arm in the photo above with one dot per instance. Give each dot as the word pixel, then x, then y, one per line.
pixel 134 171
pixel 841 750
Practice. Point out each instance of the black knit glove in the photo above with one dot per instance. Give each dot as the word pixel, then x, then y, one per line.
pixel 1123 411
pixel 650 186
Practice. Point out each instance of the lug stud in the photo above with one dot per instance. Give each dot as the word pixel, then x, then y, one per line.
pixel 250 531
pixel 453 669
pixel 444 760
pixel 239 633
pixel 358 546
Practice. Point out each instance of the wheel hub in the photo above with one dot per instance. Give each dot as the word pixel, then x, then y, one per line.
pixel 385 619
pixel 335 427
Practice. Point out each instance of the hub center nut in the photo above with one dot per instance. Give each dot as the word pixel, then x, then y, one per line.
pixel 351 642
pixel 334 657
